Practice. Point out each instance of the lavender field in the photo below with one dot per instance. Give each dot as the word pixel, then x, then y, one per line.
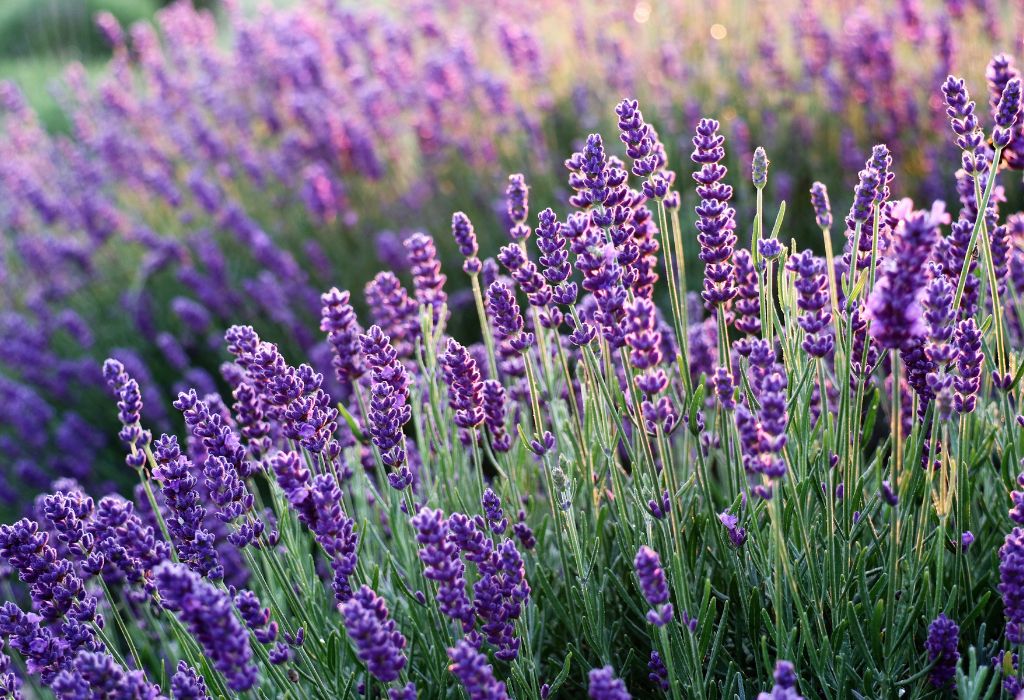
pixel 516 350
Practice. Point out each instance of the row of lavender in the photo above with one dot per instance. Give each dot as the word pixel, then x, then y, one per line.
pixel 207 180
pixel 802 478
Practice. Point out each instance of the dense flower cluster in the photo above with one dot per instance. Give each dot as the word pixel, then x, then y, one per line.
pixel 501 502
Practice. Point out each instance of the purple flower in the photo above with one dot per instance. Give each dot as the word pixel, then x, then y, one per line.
pixel 653 584
pixel 889 495
pixel 747 319
pixel 207 614
pixel 637 135
pixel 1007 114
pixel 465 239
pixel 525 274
pixel 185 511
pixel 186 684
pixel 465 389
pixel 716 219
pixel 970 138
pixel 821 206
pixel 94 674
pixel 943 637
pixel 493 512
pixel 812 298
pixel 389 404
pixel 785 684
pixel 508 321
pixel 338 320
pixel 968 365
pixel 441 563
pixel 317 504
pixel 1011 584
pixel 474 673
pixel 54 585
pixel 603 685
pixel 894 305
pixel 406 692
pixel 737 534
pixel 393 310
pixel 378 644
pixel 658 673
pixel 517 207
pixel 495 414
pixel 256 617
pixel 427 279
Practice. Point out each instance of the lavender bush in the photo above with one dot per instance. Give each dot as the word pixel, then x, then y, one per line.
pixel 794 477
pixel 213 174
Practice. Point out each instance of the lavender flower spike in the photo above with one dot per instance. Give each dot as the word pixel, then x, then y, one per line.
pixel 653 585
pixel 603 685
pixel 820 203
pixel 474 673
pixel 943 636
pixel 465 239
pixel 378 644
pixel 1007 114
pixel 207 613
pixel 716 219
pixel 508 321
pixel 785 684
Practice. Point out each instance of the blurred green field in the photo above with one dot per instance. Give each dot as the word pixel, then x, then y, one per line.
pixel 39 37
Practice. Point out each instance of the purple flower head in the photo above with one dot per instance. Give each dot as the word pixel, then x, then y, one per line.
pixel 881 162
pixel 441 563
pixel 640 139
pixel 208 615
pixel 748 296
pixel 785 683
pixel 889 494
pixel 938 306
pixel 716 219
pixel 508 321
pixel 474 673
pixel 465 389
pixel 820 203
pixel 427 278
pixel 494 399
pixel 603 685
pixel 1007 114
pixel 943 637
pixel 1011 584
pixel 256 617
pixel 185 510
pixel 493 512
pixel 517 207
pixel 393 310
pixel 465 239
pixel 186 684
pixel 378 643
pixel 968 364
pixel 658 673
pixel 338 320
pixel 737 534
pixel 94 674
pixel 812 298
pixel 389 403
pixel 653 584
pixel 964 121
pixel 894 305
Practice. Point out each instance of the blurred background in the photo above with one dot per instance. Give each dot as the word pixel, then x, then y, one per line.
pixel 167 170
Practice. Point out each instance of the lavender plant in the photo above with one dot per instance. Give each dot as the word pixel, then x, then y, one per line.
pixel 799 482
